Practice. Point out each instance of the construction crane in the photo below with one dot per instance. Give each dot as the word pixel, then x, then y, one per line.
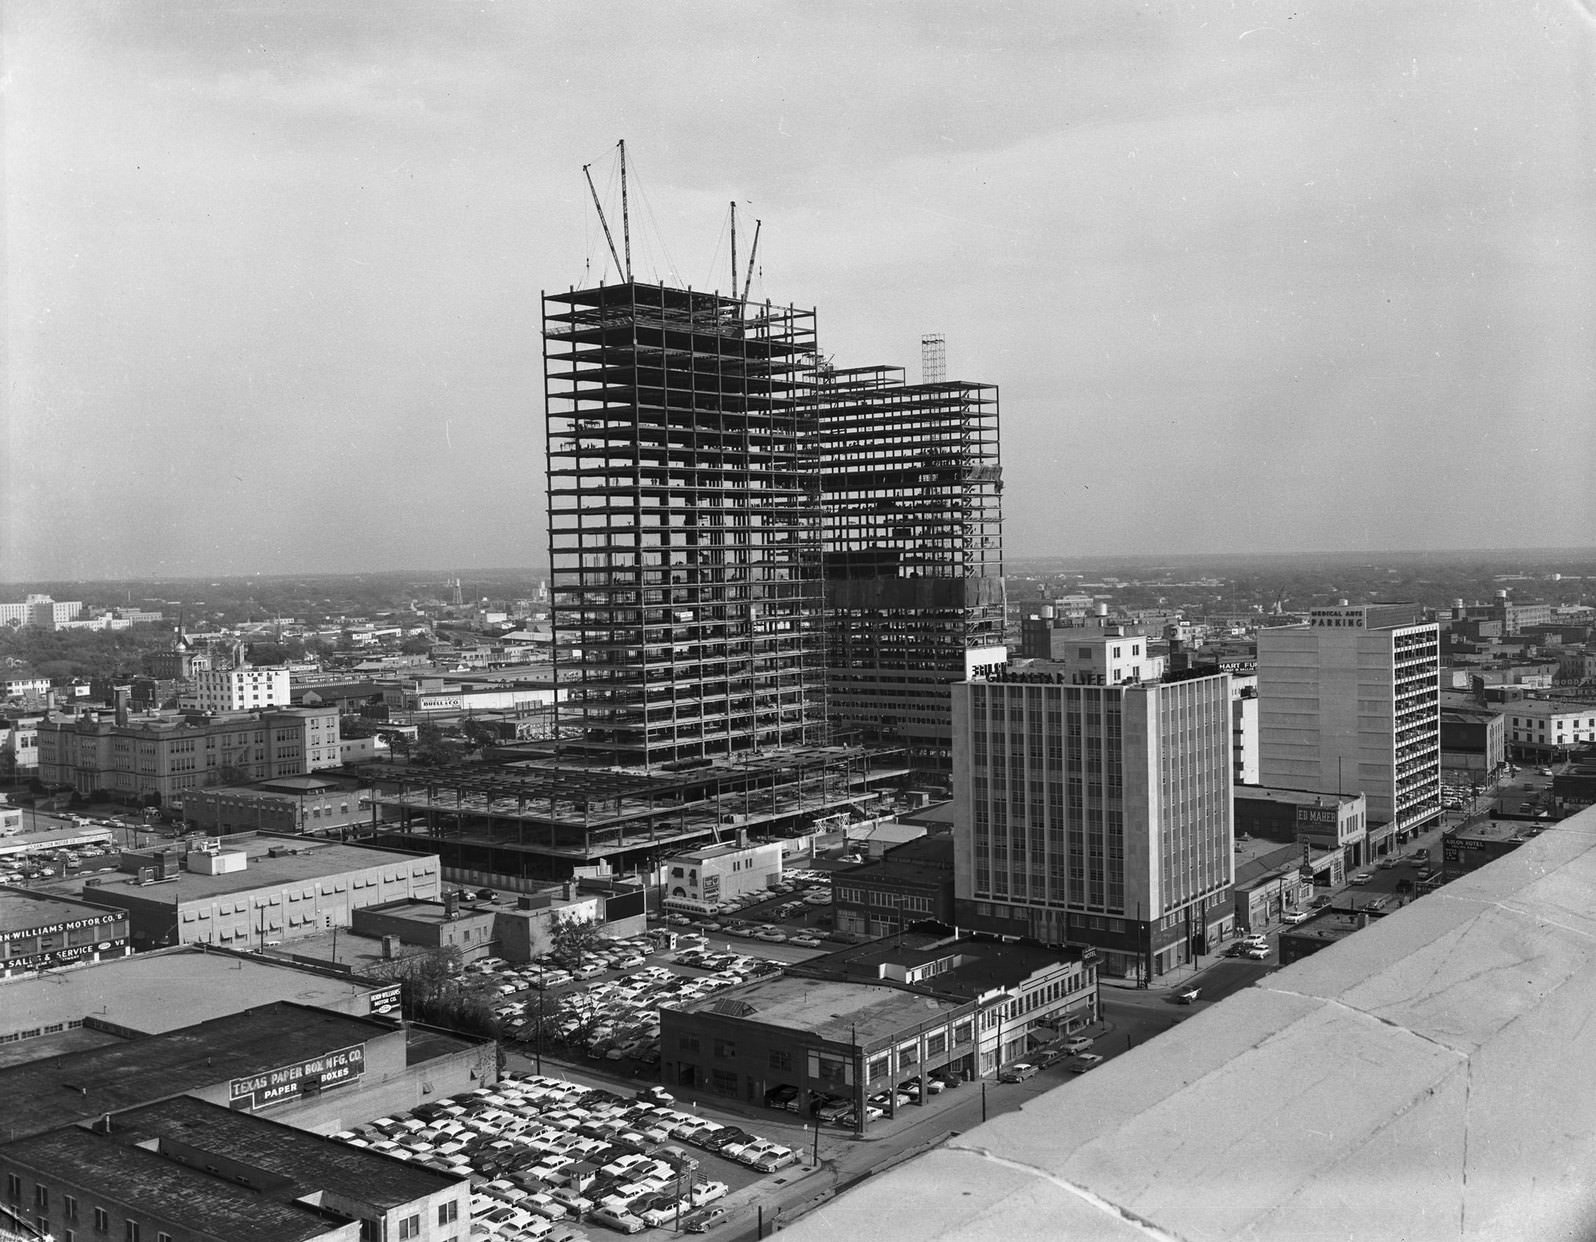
pixel 626 224
pixel 752 251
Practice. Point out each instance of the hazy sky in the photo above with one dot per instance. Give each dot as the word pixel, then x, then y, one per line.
pixel 1251 277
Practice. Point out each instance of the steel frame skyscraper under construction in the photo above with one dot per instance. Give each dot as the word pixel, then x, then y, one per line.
pixel 684 523
pixel 911 491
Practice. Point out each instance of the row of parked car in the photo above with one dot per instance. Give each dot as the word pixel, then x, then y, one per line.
pixel 544 1154
pixel 42 864
pixel 618 1019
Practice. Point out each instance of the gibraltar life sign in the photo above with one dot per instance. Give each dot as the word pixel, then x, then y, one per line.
pixel 298 1079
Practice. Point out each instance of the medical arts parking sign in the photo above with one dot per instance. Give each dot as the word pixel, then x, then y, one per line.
pixel 302 1078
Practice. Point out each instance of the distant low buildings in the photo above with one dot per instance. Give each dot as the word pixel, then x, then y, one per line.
pixel 310 805
pixel 40 610
pixel 238 689
pixel 163 758
pixel 1543 728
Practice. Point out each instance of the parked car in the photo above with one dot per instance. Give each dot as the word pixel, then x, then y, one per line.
pixel 704 1220
pixel 1084 1062
pixel 1018 1072
pixel 1362 877
pixel 620 1221
pixel 1256 952
pixel 1080 1043
pixel 1294 917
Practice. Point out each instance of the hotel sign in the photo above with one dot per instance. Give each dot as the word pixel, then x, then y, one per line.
pixel 301 1078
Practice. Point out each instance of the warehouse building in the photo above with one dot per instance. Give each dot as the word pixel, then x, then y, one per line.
pixel 40 931
pixel 186 1169
pixel 311 1068
pixel 48 1014
pixel 254 889
pixel 866 1018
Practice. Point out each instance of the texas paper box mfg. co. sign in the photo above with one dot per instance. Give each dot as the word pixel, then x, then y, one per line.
pixel 297 1079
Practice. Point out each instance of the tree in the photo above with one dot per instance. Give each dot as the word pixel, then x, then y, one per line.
pixel 430 744
pixel 433 987
pixel 416 644
pixel 398 743
pixel 478 735
pixel 574 937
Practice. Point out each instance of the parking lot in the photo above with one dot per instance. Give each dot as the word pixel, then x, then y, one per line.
pixel 606 1008
pixel 546 1156
pixel 797 911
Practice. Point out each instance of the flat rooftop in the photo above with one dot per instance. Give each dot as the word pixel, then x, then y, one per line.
pixel 41 1095
pixel 361 953
pixel 1496 829
pixel 311 1161
pixel 1292 797
pixel 832 1009
pixel 1327 926
pixel 207 1205
pixel 298 784
pixel 22 911
pixel 431 911
pixel 710 852
pixel 150 993
pixel 1413 1081
pixel 303 860
pixel 983 965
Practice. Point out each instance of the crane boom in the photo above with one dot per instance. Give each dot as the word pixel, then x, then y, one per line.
pixel 626 216
pixel 752 251
pixel 600 209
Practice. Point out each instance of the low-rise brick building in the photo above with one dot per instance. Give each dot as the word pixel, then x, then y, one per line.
pixel 909 884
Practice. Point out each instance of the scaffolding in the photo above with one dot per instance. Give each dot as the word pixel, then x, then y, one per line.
pixel 911 488
pixel 684 524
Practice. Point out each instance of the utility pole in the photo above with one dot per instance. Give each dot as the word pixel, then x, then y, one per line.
pixel 858 1084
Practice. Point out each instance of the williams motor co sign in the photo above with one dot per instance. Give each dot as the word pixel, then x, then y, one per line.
pixel 299 1079
pixel 56 928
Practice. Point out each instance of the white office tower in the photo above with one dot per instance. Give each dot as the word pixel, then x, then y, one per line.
pixel 1350 703
pixel 1094 811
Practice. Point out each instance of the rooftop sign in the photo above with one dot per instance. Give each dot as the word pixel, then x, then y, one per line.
pixel 303 1077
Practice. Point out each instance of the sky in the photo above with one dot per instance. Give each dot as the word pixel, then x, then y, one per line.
pixel 1250 277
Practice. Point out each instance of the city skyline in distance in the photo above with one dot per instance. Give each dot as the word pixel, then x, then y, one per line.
pixel 1277 280
pixel 1435 578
